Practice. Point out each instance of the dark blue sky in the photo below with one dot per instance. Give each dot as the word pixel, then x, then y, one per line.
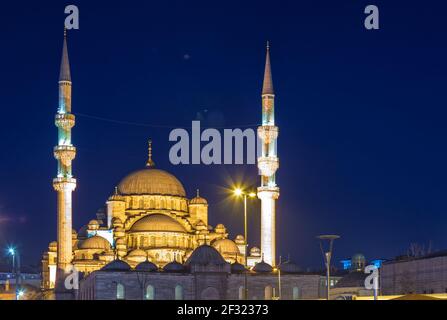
pixel 361 113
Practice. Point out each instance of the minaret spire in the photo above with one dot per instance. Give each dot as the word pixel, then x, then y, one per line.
pixel 64 184
pixel 267 87
pixel 64 74
pixel 268 164
pixel 150 162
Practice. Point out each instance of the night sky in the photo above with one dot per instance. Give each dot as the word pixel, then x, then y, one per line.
pixel 361 114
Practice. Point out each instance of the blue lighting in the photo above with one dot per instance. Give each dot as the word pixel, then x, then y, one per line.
pixel 377 262
pixel 346 264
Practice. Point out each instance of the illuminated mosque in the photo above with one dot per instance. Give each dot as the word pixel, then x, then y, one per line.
pixel 150 225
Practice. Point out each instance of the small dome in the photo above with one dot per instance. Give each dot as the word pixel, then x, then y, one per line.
pixel 174 266
pixel 198 200
pixel 119 229
pixel 220 228
pixel 157 222
pixel 200 225
pixel 289 267
pixel 52 246
pixel 239 239
pixel 137 253
pixel 255 252
pixel 151 181
pixel 93 223
pixel 226 246
pixel 238 268
pixel 95 242
pixel 116 265
pixel 146 266
pixel 116 196
pixel 204 255
pixel 263 267
pixel 73 232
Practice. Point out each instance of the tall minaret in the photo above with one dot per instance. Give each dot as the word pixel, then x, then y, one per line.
pixel 64 183
pixel 268 163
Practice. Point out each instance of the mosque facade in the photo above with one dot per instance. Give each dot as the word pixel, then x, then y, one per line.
pixel 151 229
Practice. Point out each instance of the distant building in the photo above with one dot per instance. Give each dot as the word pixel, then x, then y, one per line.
pixel 415 275
pixel 352 285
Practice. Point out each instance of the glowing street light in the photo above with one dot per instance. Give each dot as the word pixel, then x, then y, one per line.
pixel 239 192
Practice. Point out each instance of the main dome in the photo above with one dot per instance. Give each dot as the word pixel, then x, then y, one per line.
pixel 151 181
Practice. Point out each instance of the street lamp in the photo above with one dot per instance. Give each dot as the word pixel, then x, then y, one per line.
pixel 238 192
pixel 327 257
pixel 16 271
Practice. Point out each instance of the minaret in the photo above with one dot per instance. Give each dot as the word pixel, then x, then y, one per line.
pixel 268 163
pixel 64 183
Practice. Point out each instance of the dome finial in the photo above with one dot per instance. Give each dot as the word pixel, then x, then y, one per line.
pixel 198 194
pixel 116 190
pixel 150 162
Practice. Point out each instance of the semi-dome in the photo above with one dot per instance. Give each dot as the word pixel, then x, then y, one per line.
pixel 151 181
pixel 226 246
pixel 174 266
pixel 205 255
pixel 95 242
pixel 157 222
pixel 146 266
pixel 238 268
pixel 263 267
pixel 289 267
pixel 116 265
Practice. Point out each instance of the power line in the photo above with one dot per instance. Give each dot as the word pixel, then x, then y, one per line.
pixel 142 124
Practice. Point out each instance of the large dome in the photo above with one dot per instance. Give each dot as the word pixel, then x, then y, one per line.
pixel 157 222
pixel 151 181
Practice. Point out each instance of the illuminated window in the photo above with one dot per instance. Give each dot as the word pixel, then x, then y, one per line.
pixel 296 293
pixel 120 294
pixel 178 292
pixel 241 293
pixel 268 293
pixel 150 292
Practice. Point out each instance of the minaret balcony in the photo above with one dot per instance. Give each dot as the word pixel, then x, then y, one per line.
pixel 64 184
pixel 268 133
pixel 268 192
pixel 65 121
pixel 268 165
pixel 65 154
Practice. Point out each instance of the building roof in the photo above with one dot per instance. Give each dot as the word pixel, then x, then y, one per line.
pixel 116 265
pixel 157 222
pixel 151 181
pixel 238 268
pixel 146 266
pixel 205 255
pixel 174 266
pixel 262 267
pixel 95 242
pixel 226 246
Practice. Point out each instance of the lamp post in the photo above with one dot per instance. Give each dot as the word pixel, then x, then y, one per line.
pixel 16 271
pixel 238 193
pixel 327 257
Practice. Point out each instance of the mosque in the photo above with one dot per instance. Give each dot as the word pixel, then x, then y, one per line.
pixel 149 226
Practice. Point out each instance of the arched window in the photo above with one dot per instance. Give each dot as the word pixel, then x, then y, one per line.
pixel 178 292
pixel 268 292
pixel 241 293
pixel 120 293
pixel 296 293
pixel 150 293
